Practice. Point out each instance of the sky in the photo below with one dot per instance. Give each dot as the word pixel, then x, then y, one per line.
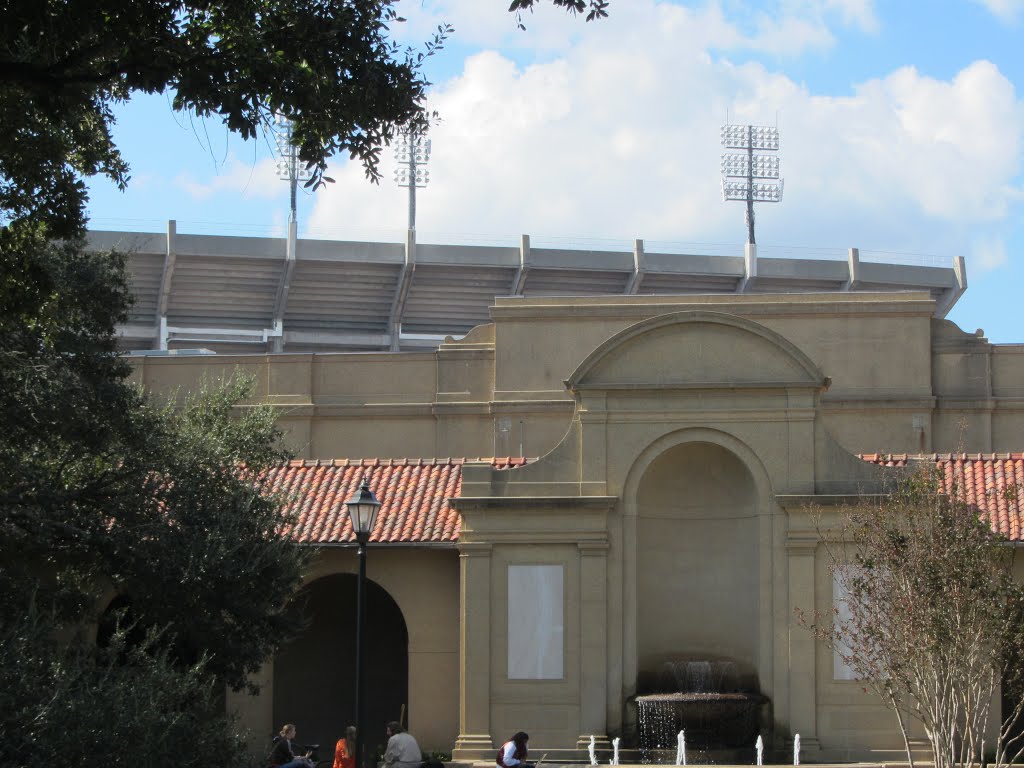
pixel 901 123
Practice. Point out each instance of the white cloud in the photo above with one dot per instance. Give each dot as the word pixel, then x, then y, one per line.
pixel 249 180
pixel 785 27
pixel 858 13
pixel 1007 11
pixel 988 253
pixel 616 136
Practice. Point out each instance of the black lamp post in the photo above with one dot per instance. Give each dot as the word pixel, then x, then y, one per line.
pixel 362 511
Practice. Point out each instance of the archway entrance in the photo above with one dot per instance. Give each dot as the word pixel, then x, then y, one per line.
pixel 314 675
pixel 697 568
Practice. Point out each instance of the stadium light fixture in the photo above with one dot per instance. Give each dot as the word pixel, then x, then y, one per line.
pixel 412 153
pixel 289 167
pixel 751 176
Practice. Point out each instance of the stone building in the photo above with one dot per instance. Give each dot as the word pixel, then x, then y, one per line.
pixel 641 437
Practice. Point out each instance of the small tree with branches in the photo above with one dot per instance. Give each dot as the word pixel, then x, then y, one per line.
pixel 931 619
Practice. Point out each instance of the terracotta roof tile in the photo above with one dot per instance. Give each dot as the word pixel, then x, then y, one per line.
pixel 991 482
pixel 414 493
pixel 414 496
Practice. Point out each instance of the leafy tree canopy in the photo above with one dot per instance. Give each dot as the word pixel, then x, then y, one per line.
pixel 329 65
pixel 101 491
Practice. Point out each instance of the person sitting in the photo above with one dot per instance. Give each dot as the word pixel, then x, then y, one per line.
pixel 402 750
pixel 345 750
pixel 513 752
pixel 283 754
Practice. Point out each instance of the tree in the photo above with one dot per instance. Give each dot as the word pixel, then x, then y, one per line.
pixel 931 619
pixel 329 65
pixel 126 705
pixel 103 491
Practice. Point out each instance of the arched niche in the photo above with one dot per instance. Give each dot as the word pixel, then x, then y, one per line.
pixel 697 547
pixel 658 478
pixel 314 674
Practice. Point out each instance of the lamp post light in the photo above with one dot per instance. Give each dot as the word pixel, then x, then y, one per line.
pixel 362 512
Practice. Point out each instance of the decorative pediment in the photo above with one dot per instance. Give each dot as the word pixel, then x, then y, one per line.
pixel 696 350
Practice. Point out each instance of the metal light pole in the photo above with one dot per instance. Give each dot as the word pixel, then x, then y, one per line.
pixel 288 165
pixel 412 152
pixel 752 176
pixel 362 511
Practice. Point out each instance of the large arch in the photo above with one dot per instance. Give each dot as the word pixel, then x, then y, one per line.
pixel 730 476
pixel 314 675
pixel 697 555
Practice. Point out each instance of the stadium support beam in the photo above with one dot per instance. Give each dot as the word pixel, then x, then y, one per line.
pixel 639 268
pixel 281 300
pixel 402 290
pixel 749 268
pixel 519 280
pixel 952 295
pixel 163 299
pixel 853 260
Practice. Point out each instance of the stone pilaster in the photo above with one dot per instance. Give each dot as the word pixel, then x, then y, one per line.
pixel 802 645
pixel 593 644
pixel 474 740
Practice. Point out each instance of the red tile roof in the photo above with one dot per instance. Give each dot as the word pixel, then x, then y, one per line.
pixel 413 493
pixel 992 482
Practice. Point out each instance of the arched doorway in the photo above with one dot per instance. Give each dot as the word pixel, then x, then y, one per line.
pixel 698 583
pixel 314 675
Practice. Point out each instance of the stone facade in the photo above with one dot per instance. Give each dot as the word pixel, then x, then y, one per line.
pixel 680 442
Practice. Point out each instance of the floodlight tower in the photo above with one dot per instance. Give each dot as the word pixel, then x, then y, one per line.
pixel 752 176
pixel 289 167
pixel 412 152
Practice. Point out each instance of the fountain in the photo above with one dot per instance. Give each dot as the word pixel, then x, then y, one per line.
pixel 615 748
pixel 706 699
pixel 592 749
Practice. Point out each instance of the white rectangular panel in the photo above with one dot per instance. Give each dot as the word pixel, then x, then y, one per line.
pixel 535 622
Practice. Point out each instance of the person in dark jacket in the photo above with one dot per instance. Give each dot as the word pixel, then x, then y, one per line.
pixel 283 754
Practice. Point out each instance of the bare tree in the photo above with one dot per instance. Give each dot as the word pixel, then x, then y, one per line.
pixel 930 618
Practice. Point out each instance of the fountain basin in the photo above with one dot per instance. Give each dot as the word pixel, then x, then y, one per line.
pixel 712 720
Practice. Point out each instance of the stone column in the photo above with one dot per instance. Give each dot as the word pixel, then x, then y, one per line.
pixel 802 644
pixel 593 644
pixel 474 740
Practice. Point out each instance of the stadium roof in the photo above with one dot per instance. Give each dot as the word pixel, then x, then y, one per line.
pixel 246 294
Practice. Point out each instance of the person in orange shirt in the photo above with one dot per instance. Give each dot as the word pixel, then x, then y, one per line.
pixel 345 750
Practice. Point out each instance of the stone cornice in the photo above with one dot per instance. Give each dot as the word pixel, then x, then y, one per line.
pixel 913 303
pixel 538 504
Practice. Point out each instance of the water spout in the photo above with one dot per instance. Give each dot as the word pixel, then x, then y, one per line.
pixel 592 749
pixel 760 750
pixel 681 749
pixel 615 751
pixel 796 749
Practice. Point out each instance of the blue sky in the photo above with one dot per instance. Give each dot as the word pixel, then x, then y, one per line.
pixel 902 129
